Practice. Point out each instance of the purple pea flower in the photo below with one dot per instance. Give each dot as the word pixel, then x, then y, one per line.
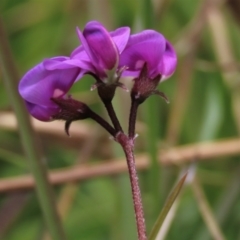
pixel 51 78
pixel 101 50
pixel 149 58
pixel 152 48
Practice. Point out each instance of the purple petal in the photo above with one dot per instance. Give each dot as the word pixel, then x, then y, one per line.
pixel 147 46
pixel 120 36
pixel 39 85
pixel 42 113
pixel 66 63
pixel 99 45
pixel 168 63
pixel 80 54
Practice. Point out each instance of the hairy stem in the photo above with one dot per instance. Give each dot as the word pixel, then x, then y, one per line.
pixel 127 145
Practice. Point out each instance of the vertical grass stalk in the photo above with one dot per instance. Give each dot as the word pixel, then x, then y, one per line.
pixel 29 140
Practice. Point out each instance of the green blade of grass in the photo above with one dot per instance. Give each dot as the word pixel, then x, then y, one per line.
pixel 29 140
pixel 172 197
pixel 206 211
pixel 13 158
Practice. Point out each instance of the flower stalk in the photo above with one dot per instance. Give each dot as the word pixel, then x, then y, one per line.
pixel 106 94
pixel 132 119
pixel 113 116
pixel 73 110
pixel 127 146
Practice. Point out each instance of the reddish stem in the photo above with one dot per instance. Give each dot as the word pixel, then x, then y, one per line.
pixel 127 145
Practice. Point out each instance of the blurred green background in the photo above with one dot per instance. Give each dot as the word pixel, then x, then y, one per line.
pixel 204 107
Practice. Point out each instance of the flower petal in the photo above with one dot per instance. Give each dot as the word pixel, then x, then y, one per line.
pixel 42 113
pixel 86 64
pixel 67 63
pixel 147 46
pixel 168 63
pixel 120 37
pixel 80 53
pixel 99 45
pixel 39 85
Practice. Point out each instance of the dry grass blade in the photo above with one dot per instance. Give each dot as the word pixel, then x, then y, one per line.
pixel 177 155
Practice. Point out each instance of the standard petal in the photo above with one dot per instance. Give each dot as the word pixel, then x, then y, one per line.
pixel 86 64
pixel 147 46
pixel 120 37
pixel 169 62
pixel 99 45
pixel 80 53
pixel 39 85
pixel 67 63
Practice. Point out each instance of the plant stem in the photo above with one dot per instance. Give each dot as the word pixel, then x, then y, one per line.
pixel 29 140
pixel 127 145
pixel 106 94
pixel 102 122
pixel 111 112
pixel 132 118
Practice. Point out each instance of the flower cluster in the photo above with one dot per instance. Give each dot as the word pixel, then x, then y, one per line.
pixel 146 56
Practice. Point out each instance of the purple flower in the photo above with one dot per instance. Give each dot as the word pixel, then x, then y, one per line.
pixel 149 58
pixel 101 49
pixel 152 48
pixel 51 78
pixel 145 56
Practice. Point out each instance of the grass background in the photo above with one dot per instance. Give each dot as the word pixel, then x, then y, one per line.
pixel 204 106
